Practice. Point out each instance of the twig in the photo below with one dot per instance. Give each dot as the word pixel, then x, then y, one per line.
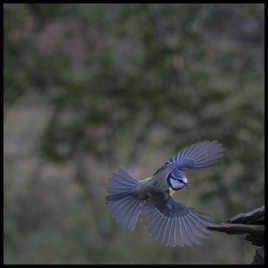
pixel 237 228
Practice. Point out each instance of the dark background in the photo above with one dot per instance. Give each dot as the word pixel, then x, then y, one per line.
pixel 91 88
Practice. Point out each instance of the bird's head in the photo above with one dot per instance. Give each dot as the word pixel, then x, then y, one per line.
pixel 176 180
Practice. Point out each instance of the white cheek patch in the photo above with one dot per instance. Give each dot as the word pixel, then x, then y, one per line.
pixel 185 180
pixel 176 184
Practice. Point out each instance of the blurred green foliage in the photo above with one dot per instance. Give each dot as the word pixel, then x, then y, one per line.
pixel 92 87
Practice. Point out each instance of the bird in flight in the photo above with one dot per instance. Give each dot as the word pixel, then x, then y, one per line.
pixel 165 219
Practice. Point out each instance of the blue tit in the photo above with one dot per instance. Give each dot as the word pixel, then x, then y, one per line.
pixel 165 219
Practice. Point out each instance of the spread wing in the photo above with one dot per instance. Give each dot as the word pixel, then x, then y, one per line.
pixel 173 223
pixel 198 155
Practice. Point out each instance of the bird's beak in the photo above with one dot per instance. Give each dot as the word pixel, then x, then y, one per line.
pixel 186 184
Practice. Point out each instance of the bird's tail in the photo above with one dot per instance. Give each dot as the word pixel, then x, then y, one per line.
pixel 122 201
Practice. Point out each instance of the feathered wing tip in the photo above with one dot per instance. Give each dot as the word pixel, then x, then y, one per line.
pixel 184 228
pixel 199 155
pixel 122 201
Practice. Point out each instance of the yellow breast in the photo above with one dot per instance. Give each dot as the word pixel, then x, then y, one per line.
pixel 171 191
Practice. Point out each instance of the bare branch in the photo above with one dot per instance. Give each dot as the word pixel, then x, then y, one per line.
pixel 237 228
pixel 251 224
pixel 255 216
